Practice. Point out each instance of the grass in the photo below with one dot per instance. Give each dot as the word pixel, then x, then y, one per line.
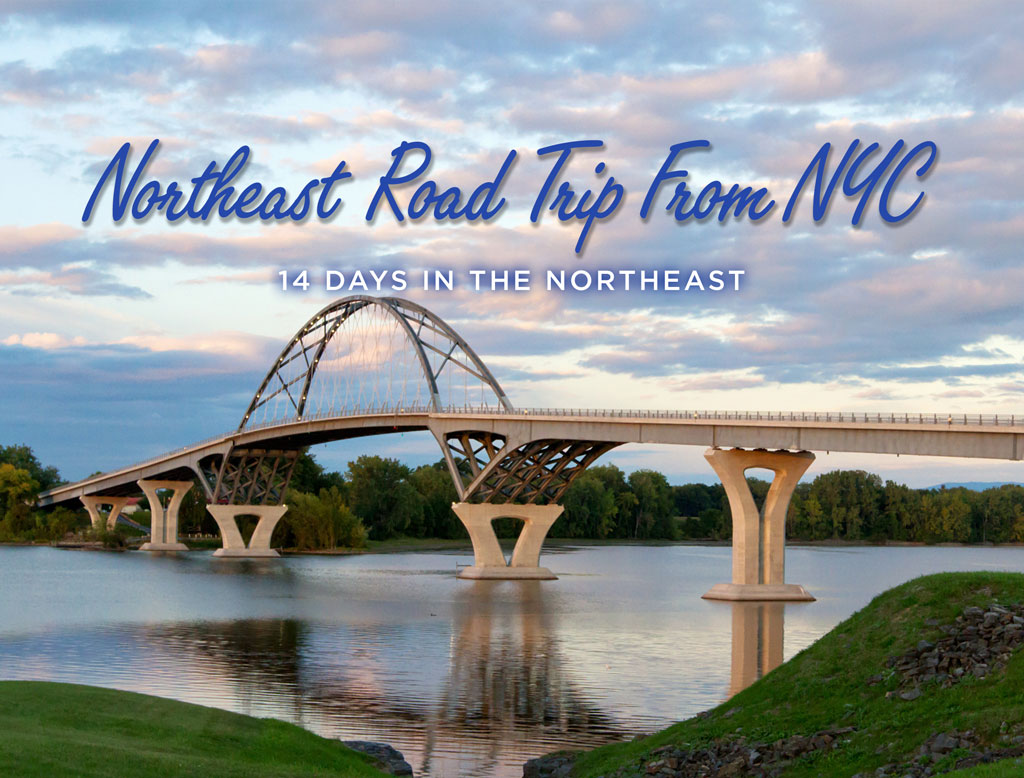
pixel 1008 768
pixel 825 686
pixel 61 729
pixel 57 729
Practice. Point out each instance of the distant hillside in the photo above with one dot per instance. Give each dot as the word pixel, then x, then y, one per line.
pixel 977 486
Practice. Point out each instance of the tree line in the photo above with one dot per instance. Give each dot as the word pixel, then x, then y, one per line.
pixel 22 477
pixel 855 505
pixel 378 498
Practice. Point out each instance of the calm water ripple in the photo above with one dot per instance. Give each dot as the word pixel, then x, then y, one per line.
pixel 467 678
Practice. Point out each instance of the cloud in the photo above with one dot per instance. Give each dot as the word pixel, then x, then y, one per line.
pixel 875 314
pixel 70 279
pixel 43 340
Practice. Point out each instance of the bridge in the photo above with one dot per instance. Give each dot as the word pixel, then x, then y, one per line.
pixel 378 365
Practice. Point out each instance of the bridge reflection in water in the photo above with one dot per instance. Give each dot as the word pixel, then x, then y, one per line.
pixel 757 641
pixel 508 682
pixel 502 694
pixel 506 693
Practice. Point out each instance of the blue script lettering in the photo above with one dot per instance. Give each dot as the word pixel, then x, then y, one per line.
pixel 897 173
pixel 603 206
pixel 822 192
pixel 733 202
pixel 446 205
pixel 152 195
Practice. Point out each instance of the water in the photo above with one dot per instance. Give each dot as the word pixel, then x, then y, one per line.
pixel 467 678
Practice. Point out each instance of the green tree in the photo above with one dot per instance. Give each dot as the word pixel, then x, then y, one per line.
pixel 946 517
pixel 322 521
pixel 614 481
pixel 694 499
pixel 901 512
pixel 995 512
pixel 57 523
pixel 382 496
pixel 309 476
pixel 192 515
pixel 434 485
pixel 17 487
pixel 654 511
pixel 700 508
pixel 814 516
pixel 852 499
pixel 22 458
pixel 707 525
pixel 590 509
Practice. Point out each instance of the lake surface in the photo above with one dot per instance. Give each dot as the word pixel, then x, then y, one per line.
pixel 466 678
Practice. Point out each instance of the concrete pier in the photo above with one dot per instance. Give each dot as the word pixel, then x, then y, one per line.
pixel 163 523
pixel 758 537
pixel 259 544
pixel 488 558
pixel 92 505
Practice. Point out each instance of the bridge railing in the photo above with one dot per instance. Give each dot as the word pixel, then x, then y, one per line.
pixel 309 417
pixel 944 419
pixel 838 417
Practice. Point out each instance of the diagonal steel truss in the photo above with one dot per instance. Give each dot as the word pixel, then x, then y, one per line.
pixel 487 469
pixel 438 350
pixel 248 476
pixel 483 465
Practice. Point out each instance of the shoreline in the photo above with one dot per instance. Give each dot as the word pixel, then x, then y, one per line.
pixel 908 659
pixel 427 545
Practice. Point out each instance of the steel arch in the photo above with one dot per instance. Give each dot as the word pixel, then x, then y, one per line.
pixel 411 318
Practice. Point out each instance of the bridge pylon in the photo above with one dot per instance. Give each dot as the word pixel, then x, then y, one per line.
pixel 163 522
pixel 234 544
pixel 92 504
pixel 758 537
pixel 488 558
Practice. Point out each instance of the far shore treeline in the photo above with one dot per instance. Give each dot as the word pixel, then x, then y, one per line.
pixel 380 499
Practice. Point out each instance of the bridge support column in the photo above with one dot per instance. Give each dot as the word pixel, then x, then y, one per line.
pixel 231 537
pixel 163 523
pixel 758 538
pixel 92 505
pixel 489 560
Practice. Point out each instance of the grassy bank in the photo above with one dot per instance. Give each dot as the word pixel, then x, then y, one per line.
pixel 54 729
pixel 833 684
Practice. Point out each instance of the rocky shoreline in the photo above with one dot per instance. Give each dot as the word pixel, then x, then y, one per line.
pixel 722 758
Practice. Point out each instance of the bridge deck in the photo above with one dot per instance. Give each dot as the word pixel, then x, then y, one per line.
pixel 926 434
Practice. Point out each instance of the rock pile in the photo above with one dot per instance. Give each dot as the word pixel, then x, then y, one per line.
pixel 979 643
pixel 389 759
pixel 550 766
pixel 937 747
pixel 720 759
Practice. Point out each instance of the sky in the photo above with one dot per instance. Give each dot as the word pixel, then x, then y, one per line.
pixel 120 340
